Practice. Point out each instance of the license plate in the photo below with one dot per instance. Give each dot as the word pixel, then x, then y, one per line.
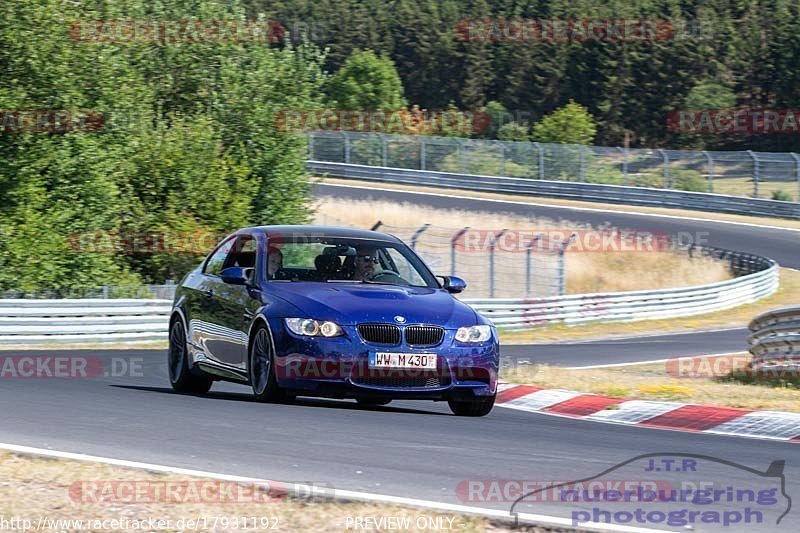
pixel 425 361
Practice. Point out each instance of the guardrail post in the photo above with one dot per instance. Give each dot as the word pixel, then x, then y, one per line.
pixel 417 234
pixel 528 251
pixel 346 148
pixel 502 158
pixel 384 150
pixel 453 241
pixel 756 172
pixel 492 245
pixel 562 276
pixel 582 165
pixel 624 165
pixel 664 155
pixel 710 170
pixel 797 172
pixel 541 160
pixel 422 153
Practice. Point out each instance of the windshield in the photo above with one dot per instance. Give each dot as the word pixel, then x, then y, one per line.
pixel 337 259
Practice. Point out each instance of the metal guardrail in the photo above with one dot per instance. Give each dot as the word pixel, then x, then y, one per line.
pixel 774 175
pixel 25 322
pixel 105 292
pixel 775 339
pixel 31 321
pixel 760 278
pixel 617 194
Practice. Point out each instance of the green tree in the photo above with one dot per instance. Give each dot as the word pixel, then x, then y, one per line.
pixel 571 124
pixel 710 94
pixel 366 81
pixel 189 144
pixel 513 131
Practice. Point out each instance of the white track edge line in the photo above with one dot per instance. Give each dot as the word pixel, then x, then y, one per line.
pixel 634 363
pixel 334 494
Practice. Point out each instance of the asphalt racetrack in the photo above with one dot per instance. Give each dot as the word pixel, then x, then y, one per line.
pixel 408 448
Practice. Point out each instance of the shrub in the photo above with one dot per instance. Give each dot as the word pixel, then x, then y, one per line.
pixel 782 196
pixel 688 180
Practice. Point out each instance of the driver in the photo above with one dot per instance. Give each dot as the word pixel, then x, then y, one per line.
pixel 366 259
pixel 274 261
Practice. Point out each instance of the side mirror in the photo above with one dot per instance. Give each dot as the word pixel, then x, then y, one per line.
pixel 236 275
pixel 453 284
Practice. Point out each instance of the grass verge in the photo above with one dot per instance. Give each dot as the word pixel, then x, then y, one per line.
pixel 697 380
pixel 35 488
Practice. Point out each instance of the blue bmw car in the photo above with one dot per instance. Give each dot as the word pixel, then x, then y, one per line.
pixel 331 312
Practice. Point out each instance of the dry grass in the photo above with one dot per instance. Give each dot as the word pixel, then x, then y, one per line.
pixel 587 272
pixel 33 487
pixel 365 213
pixel 633 271
pixel 656 382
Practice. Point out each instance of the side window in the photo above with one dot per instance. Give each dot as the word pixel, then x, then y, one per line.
pixel 216 262
pixel 244 253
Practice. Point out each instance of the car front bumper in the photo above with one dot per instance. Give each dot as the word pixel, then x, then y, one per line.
pixel 339 367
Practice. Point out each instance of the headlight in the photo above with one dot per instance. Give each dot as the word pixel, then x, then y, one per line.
pixel 474 334
pixel 313 328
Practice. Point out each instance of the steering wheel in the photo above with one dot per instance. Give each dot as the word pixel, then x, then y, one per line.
pixel 385 273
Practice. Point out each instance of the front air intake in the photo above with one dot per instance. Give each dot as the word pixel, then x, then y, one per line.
pixel 385 334
pixel 422 336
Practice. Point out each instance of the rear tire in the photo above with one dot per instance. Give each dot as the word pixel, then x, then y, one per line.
pixel 261 368
pixel 477 407
pixel 180 376
pixel 373 401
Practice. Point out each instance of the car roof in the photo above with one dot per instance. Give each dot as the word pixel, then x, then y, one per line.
pixel 320 231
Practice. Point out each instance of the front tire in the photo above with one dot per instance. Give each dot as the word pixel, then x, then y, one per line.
pixel 180 376
pixel 477 407
pixel 261 368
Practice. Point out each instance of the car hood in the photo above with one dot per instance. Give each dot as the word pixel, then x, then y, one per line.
pixel 349 304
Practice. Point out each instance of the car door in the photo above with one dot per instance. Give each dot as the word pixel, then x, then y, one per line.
pixel 229 306
pixel 203 312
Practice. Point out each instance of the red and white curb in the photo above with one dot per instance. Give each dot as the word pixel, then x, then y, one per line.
pixel 774 425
